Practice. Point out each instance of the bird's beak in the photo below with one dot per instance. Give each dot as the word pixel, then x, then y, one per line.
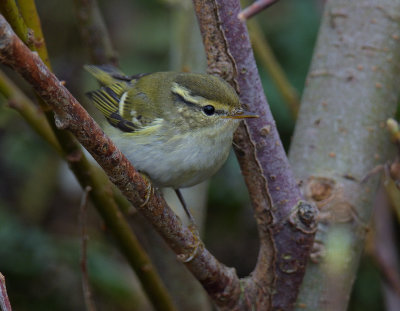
pixel 241 114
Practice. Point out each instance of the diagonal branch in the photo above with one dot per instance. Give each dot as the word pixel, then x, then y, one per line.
pixel 220 281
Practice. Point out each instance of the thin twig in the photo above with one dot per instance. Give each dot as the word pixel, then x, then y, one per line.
pixel 87 293
pixel 4 301
pixel 255 8
pixel 220 281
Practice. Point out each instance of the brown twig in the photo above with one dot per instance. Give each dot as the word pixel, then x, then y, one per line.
pixel 220 281
pixel 255 8
pixel 282 218
pixel 4 301
pixel 87 293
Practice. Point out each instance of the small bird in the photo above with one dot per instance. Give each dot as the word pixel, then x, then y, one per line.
pixel 176 128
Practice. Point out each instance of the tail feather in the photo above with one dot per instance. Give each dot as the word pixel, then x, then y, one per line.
pixel 106 74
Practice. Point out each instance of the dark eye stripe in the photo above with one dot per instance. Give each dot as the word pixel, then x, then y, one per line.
pixel 192 104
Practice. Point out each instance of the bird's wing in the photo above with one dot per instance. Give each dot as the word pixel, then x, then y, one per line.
pixel 111 101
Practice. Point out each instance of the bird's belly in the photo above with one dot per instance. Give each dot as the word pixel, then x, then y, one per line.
pixel 177 163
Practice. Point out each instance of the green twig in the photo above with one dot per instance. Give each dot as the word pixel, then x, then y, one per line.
pixel 32 114
pixel 32 20
pixel 10 11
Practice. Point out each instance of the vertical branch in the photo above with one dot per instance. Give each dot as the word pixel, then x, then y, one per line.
pixel 285 224
pixel 352 89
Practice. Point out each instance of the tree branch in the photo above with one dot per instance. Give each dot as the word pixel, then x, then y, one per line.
pixel 220 282
pixel 4 301
pixel 89 175
pixel 283 219
pixel 352 89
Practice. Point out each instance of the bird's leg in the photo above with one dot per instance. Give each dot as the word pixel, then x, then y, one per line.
pixel 195 248
pixel 189 215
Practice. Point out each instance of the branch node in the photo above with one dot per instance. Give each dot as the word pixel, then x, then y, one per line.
pixel 304 217
pixel 61 122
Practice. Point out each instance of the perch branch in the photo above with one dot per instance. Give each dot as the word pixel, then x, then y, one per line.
pixel 220 281
pixel 89 175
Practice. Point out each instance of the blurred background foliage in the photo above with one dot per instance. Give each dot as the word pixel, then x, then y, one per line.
pixel 39 198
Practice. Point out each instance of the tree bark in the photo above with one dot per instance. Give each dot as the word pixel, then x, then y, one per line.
pixel 285 223
pixel 352 88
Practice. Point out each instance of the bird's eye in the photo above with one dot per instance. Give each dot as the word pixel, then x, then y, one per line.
pixel 209 110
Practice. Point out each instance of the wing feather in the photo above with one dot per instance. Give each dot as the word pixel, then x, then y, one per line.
pixel 108 100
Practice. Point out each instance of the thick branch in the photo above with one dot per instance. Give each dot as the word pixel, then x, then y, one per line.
pixel 285 226
pixel 352 89
pixel 220 282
